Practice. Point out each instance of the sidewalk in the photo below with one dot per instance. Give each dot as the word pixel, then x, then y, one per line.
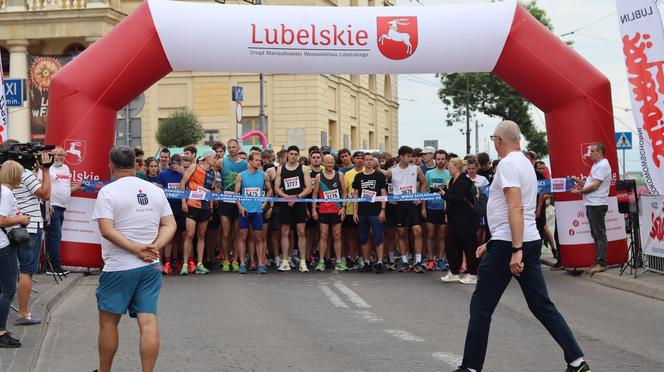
pixel 42 305
pixel 648 284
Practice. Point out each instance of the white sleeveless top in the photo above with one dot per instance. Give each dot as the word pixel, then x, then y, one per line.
pixel 404 181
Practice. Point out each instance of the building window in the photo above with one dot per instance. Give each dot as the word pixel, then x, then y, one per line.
pixel 72 50
pixel 250 123
pixel 5 60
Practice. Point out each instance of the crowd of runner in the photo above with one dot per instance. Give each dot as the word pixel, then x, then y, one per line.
pixel 246 235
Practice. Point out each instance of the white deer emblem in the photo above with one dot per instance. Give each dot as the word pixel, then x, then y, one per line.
pixel 74 151
pixel 399 37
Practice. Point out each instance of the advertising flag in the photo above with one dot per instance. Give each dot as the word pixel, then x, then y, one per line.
pixel 4 118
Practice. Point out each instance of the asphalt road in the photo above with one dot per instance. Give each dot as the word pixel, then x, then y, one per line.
pixel 357 322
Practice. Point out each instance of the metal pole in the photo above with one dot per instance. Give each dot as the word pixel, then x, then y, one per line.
pixel 477 139
pixel 127 127
pixel 624 167
pixel 467 115
pixel 261 110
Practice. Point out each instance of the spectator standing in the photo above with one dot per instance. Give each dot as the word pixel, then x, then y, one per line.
pixel 485 166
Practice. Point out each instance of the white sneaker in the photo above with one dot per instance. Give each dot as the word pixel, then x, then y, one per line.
pixel 284 266
pixel 469 279
pixel 303 266
pixel 291 263
pixel 449 278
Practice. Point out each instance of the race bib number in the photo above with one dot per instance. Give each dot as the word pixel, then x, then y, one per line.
pixel 173 185
pixel 197 195
pixel 390 190
pixel 331 194
pixel 368 194
pixel 292 183
pixel 229 193
pixel 407 189
pixel 252 191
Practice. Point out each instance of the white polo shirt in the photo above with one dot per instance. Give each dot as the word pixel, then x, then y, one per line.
pixel 599 171
pixel 514 170
pixel 136 207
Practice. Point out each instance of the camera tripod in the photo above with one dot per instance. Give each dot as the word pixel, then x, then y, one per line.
pixel 633 257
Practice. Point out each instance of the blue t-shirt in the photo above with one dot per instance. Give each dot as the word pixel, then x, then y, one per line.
pixel 434 180
pixel 169 179
pixel 252 185
pixel 229 171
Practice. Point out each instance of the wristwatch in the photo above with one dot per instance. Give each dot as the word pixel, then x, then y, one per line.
pixel 516 249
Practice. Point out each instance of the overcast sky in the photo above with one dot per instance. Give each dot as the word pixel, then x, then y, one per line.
pixel 596 37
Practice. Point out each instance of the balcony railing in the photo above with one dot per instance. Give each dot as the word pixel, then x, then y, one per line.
pixel 38 5
pixel 46 5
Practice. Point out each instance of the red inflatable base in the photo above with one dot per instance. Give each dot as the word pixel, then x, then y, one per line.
pixel 583 255
pixel 81 254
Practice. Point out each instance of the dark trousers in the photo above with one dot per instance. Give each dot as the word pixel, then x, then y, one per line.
pixel 8 276
pixel 596 216
pixel 54 235
pixel 458 242
pixel 494 276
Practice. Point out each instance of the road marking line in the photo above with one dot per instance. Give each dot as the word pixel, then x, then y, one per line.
pixel 404 335
pixel 336 300
pixel 368 316
pixel 352 296
pixel 453 360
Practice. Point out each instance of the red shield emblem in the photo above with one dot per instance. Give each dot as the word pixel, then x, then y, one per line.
pixel 74 151
pixel 397 36
pixel 586 156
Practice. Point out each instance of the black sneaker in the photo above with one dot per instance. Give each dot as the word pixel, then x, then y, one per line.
pixel 378 268
pixel 7 341
pixel 366 268
pixel 462 369
pixel 62 271
pixel 584 367
pixel 418 268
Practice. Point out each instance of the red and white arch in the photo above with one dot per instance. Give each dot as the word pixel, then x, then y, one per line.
pixel 163 36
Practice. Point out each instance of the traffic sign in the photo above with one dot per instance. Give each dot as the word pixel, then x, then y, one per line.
pixel 14 92
pixel 623 140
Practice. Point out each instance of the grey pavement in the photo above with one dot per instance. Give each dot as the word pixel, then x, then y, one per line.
pixel 357 322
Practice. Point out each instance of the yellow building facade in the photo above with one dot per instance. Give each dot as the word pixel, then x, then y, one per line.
pixel 354 111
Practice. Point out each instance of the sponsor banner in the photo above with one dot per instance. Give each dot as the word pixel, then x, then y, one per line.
pixel 309 39
pixel 41 71
pixel 651 219
pixel 643 46
pixel 574 228
pixel 78 225
pixel 4 118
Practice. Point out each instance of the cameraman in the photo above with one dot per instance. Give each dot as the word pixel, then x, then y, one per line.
pixel 27 195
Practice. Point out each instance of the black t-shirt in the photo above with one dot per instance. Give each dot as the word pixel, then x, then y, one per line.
pixel 368 185
pixel 487 173
pixel 542 218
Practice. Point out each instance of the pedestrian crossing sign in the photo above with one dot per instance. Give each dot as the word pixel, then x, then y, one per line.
pixel 624 140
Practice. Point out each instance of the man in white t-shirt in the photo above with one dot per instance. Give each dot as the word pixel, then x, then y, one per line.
pixel 514 250
pixel 135 222
pixel 61 189
pixel 595 193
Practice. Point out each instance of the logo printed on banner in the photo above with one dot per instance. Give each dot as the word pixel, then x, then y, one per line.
pixel 586 155
pixel 397 36
pixel 657 230
pixel 74 151
pixel 580 214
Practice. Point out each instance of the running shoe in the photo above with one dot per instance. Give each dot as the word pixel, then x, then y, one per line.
pixel 303 266
pixel 469 279
pixel 284 266
pixel 341 266
pixel 243 268
pixel 200 269
pixel 418 268
pixel 391 266
pixel 402 267
pixel 584 367
pixel 450 278
pixel 441 265
pixel 431 266
pixel 379 268
pixel 462 369
pixel 226 266
pixel 191 267
pixel 235 267
pixel 291 263
pixel 252 266
pixel 320 266
pixel 167 268
pixel 262 269
pixel 366 268
pixel 360 263
pixel 184 270
pixel 177 266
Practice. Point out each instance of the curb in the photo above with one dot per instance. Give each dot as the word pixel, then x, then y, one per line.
pixel 26 357
pixel 623 283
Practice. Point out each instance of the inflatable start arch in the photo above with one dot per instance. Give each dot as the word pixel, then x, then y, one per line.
pixel 503 38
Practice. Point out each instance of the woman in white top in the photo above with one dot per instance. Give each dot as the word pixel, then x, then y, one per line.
pixel 471 168
pixel 10 177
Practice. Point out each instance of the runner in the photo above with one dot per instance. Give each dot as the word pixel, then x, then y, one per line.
pixel 346 161
pixel 315 169
pixel 252 182
pixel 200 178
pixel 349 224
pixel 271 237
pixel 232 165
pixel 404 177
pixel 170 178
pixel 293 183
pixel 328 185
pixel 437 178
pixel 369 184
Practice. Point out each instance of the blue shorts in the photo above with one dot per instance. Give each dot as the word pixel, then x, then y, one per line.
pixel 28 254
pixel 370 222
pixel 253 219
pixel 135 290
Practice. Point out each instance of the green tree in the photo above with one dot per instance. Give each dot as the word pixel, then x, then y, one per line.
pixel 181 128
pixel 489 95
